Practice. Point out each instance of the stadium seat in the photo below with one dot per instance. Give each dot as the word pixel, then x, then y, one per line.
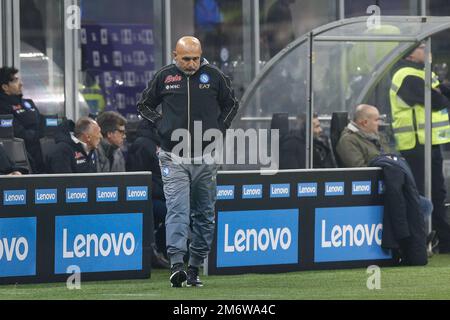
pixel 339 121
pixel 280 121
pixel 6 126
pixel 49 128
pixel 15 149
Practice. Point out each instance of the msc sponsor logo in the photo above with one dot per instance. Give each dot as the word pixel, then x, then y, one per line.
pixel 252 191
pixel 334 189
pixel 361 187
pixel 17 247
pixel 76 195
pixel 6 123
pixel 250 238
pixel 107 194
pixel 173 87
pixel 307 190
pixel 45 196
pixel 381 187
pixel 137 193
pixel 14 197
pixel 95 243
pixel 51 122
pixel 349 233
pixel 225 192
pixel 280 190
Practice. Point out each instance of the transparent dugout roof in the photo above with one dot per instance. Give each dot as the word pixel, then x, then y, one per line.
pixel 334 67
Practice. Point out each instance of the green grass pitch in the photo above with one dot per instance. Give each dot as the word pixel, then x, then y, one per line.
pixel 429 282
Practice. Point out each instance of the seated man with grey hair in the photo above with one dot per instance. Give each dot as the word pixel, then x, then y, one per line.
pixel 75 146
pixel 360 141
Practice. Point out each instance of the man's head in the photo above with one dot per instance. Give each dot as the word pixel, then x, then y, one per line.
pixel 187 55
pixel 418 54
pixel 367 118
pixel 112 125
pixel 317 128
pixel 10 82
pixel 88 131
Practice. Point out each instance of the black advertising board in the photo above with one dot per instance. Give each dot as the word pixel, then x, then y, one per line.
pixel 298 220
pixel 100 225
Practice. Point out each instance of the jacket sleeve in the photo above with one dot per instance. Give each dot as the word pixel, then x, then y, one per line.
pixel 29 135
pixel 412 92
pixel 228 103
pixel 395 202
pixel 150 99
pixel 60 161
pixel 350 153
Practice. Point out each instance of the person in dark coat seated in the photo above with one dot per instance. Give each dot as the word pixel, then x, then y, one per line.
pixel 8 167
pixel 293 147
pixel 74 151
pixel 27 119
pixel 142 156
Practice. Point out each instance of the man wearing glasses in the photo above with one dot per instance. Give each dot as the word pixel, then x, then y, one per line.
pixel 109 155
pixel 191 92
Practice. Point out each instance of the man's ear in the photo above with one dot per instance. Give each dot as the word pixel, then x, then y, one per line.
pixel 5 87
pixel 174 54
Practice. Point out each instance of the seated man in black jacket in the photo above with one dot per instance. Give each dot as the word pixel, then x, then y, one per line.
pixel 8 167
pixel 293 147
pixel 142 156
pixel 27 120
pixel 74 152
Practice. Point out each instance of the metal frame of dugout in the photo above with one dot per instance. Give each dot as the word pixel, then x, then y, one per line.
pixel 298 220
pixel 52 226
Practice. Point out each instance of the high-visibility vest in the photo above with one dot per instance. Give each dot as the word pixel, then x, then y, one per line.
pixel 409 121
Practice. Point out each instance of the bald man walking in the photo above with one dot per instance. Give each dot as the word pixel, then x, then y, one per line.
pixel 195 97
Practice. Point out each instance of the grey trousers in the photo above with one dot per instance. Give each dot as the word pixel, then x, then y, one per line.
pixel 190 191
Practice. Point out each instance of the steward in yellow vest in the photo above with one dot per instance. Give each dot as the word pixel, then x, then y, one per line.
pixel 407 98
pixel 408 111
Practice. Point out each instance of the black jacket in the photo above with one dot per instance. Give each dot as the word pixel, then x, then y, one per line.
pixel 142 156
pixel 403 221
pixel 206 96
pixel 27 125
pixel 7 165
pixel 68 156
pixel 293 152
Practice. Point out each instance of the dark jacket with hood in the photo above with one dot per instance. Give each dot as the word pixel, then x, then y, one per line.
pixel 27 125
pixel 69 156
pixel 205 96
pixel 142 156
pixel 403 221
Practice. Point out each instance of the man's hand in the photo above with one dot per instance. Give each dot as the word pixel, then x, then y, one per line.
pixel 15 173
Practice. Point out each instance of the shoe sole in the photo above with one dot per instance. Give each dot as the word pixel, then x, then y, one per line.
pixel 177 279
pixel 194 285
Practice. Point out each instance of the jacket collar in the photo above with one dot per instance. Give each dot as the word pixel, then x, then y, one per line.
pixel 80 143
pixel 353 127
pixel 12 99
pixel 203 63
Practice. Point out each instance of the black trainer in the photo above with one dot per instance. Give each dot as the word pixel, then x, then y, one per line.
pixel 178 275
pixel 193 279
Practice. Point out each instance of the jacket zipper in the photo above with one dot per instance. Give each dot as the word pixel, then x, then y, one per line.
pixel 189 116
